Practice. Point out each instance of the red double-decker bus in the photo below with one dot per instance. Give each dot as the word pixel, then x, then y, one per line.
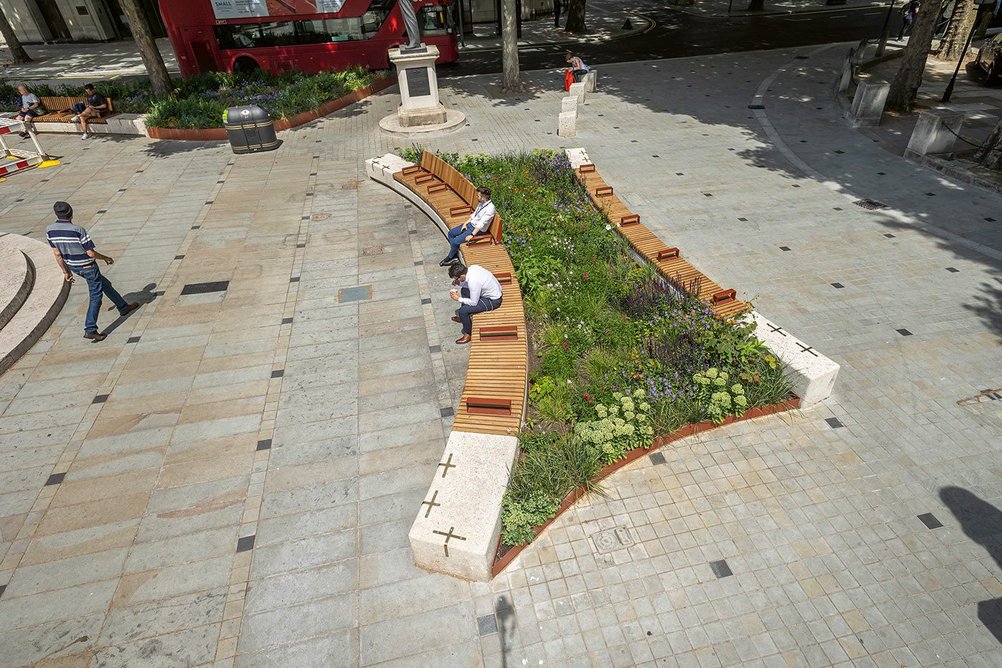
pixel 305 35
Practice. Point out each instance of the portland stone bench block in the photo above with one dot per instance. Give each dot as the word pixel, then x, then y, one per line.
pixel 578 90
pixel 567 124
pixel 590 81
pixel 812 373
pixel 457 527
pixel 569 103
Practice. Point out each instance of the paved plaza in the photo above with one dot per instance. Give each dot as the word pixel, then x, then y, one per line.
pixel 229 478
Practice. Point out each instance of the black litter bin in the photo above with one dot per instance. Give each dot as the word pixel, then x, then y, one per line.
pixel 250 129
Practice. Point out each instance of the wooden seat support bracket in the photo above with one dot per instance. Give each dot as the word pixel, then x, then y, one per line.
pixel 488 406
pixel 632 219
pixel 668 254
pixel 587 168
pixel 438 187
pixel 723 296
pixel 499 333
pixel 413 169
pixel 603 191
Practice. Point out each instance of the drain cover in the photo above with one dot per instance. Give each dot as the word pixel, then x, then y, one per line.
pixel 372 250
pixel 610 540
pixel 870 204
pixel 320 216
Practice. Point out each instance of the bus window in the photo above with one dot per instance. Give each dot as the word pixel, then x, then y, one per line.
pixel 345 30
pixel 277 34
pixel 311 32
pixel 433 20
pixel 239 36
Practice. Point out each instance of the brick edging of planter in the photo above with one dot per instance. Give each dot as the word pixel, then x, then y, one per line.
pixel 635 454
pixel 219 134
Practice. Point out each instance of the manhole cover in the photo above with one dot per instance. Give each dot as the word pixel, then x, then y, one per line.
pixel 372 250
pixel 870 204
pixel 610 540
pixel 320 216
pixel 349 185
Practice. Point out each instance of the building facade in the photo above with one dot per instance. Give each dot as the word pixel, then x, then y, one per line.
pixel 36 21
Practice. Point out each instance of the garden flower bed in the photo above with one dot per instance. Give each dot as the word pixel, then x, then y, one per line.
pixel 619 361
pixel 200 102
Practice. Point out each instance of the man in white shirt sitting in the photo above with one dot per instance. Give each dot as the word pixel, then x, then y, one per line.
pixel 478 291
pixel 478 222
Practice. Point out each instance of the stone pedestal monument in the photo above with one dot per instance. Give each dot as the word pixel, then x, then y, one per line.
pixel 419 104
pixel 420 110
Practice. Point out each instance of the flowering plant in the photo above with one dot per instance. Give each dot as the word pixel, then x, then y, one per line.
pixel 621 426
pixel 718 396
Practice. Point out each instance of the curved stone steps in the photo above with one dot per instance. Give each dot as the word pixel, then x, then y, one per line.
pixel 43 302
pixel 17 276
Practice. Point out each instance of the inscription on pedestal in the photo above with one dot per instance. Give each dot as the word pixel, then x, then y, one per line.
pixel 417 81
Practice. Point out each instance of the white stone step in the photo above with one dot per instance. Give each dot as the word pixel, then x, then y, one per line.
pixel 17 275
pixel 47 296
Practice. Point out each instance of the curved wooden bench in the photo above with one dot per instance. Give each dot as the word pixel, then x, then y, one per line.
pixel 458 524
pixel 667 260
pixel 498 366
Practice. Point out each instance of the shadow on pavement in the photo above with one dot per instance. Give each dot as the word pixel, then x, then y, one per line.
pixel 142 297
pixel 982 523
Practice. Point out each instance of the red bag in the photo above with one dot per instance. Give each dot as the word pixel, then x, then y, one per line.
pixel 568 79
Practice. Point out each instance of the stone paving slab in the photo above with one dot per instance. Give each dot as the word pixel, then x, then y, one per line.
pixel 243 491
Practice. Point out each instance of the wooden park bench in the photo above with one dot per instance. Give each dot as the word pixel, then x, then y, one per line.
pixel 493 399
pixel 60 110
pixel 667 260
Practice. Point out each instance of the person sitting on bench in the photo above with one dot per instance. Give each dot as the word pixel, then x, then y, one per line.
pixel 30 107
pixel 478 291
pixel 478 222
pixel 95 107
pixel 578 67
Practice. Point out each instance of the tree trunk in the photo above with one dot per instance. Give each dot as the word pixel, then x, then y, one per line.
pixel 904 87
pixel 13 43
pixel 756 6
pixel 990 155
pixel 575 17
pixel 154 62
pixel 964 13
pixel 511 80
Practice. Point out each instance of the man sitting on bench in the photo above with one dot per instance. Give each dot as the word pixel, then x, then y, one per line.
pixel 478 291
pixel 95 107
pixel 478 222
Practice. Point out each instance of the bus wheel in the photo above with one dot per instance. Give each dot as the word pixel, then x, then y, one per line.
pixel 245 65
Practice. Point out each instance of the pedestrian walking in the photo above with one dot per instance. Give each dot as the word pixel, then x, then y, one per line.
pixel 908 15
pixel 75 254
pixel 478 291
pixel 556 12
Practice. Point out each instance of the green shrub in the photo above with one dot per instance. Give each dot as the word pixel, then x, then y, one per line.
pixel 719 395
pixel 620 427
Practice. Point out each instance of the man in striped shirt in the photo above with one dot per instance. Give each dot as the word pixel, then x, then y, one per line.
pixel 75 254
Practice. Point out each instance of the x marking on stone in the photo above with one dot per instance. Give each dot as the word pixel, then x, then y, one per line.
pixel 431 504
pixel 446 465
pixel 448 534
